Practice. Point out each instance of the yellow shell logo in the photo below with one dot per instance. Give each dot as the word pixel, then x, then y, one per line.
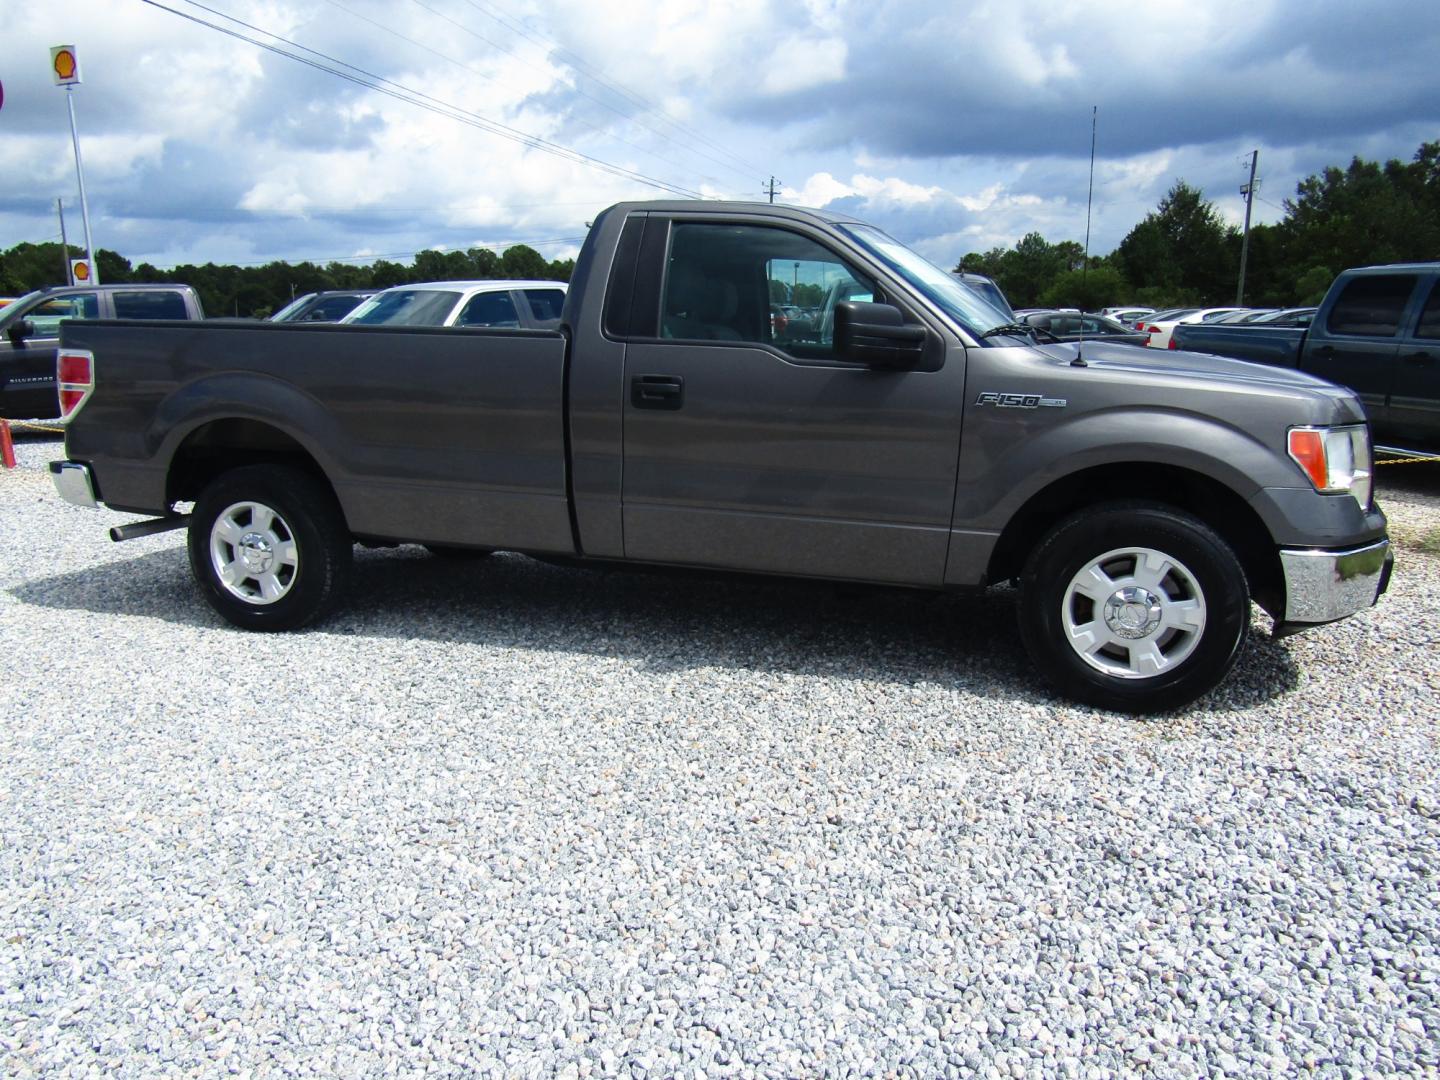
pixel 82 272
pixel 65 64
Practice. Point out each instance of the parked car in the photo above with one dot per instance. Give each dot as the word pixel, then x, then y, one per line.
pixel 1127 315
pixel 987 288
pixel 1377 331
pixel 1074 326
pixel 923 440
pixel 326 307
pixel 1242 315
pixel 501 304
pixel 1299 316
pixel 1161 329
pixel 30 334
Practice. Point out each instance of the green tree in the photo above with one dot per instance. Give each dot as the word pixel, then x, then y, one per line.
pixel 1364 214
pixel 521 261
pixel 1183 248
pixel 1088 290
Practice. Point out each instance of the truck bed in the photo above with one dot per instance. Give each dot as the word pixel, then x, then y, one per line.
pixel 434 435
pixel 1278 346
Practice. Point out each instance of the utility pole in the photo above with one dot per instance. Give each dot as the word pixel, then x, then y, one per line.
pixel 770 187
pixel 1248 190
pixel 64 246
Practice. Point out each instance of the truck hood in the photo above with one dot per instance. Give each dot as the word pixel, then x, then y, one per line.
pixel 1171 364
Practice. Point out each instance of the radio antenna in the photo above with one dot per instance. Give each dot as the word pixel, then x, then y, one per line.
pixel 1085 264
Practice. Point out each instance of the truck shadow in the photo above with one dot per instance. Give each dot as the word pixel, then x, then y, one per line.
pixel 665 621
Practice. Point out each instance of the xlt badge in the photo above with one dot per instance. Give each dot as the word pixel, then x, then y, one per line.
pixel 1019 401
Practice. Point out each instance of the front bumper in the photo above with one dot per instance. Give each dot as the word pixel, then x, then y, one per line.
pixel 1322 586
pixel 74 482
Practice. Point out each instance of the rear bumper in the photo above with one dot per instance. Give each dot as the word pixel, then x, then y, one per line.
pixel 74 482
pixel 1322 586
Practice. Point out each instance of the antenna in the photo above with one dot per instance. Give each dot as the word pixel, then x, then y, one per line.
pixel 1079 361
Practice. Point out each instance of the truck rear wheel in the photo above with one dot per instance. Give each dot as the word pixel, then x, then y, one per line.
pixel 269 547
pixel 1136 607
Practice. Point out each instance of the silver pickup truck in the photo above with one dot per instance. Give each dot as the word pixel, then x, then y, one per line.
pixel 913 435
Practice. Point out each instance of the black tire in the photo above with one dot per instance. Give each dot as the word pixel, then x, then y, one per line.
pixel 1139 650
pixel 305 551
pixel 458 554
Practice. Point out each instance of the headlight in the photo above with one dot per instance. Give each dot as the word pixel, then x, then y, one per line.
pixel 1335 459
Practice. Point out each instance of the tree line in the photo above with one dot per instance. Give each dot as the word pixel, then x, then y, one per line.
pixel 1182 253
pixel 259 291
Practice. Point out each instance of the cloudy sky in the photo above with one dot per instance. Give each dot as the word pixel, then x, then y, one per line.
pixel 955 125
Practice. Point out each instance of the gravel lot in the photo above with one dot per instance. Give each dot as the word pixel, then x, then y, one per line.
pixel 510 819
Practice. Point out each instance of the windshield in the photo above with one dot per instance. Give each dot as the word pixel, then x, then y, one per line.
pixel 956 299
pixel 286 313
pixel 405 307
pixel 14 310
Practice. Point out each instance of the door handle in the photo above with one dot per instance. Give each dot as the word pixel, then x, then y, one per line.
pixel 1418 358
pixel 657 391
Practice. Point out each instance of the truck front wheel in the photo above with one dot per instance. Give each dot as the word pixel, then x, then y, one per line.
pixel 269 547
pixel 1136 607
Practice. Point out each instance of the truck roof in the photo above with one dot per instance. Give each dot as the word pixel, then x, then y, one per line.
pixel 707 206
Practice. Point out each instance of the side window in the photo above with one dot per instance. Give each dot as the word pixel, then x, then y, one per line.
pixel 545 303
pixel 756 283
pixel 331 309
pixel 1430 318
pixel 489 309
pixel 150 304
pixel 1371 306
pixel 48 314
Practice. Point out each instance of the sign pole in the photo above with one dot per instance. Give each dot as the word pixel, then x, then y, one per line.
pixel 80 172
pixel 64 244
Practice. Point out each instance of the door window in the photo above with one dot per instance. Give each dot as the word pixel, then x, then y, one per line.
pixel 150 304
pixel 48 314
pixel 1371 306
pixel 1430 318
pixel 489 309
pixel 756 283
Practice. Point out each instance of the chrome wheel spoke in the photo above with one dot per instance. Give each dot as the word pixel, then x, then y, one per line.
pixel 1151 568
pixel 229 531
pixel 1146 659
pixel 261 518
pixel 1093 584
pixel 1187 615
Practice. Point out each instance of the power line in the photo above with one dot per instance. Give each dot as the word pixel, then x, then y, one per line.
pixel 575 63
pixel 473 71
pixel 372 81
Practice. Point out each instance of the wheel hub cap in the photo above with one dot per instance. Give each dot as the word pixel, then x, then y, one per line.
pixel 256 553
pixel 1133 613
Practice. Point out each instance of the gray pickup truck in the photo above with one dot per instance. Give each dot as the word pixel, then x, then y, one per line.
pixel 920 439
pixel 30 334
pixel 1377 331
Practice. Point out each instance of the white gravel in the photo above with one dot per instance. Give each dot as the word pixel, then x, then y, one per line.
pixel 508 819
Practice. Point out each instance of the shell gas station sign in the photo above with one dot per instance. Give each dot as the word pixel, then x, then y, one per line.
pixel 65 65
pixel 80 271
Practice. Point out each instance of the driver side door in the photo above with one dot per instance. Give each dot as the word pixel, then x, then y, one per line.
pixel 749 444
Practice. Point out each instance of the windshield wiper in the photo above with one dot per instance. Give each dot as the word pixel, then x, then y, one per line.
pixel 1013 329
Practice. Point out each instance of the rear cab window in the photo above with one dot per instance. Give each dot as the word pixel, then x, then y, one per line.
pixel 149 304
pixel 1371 305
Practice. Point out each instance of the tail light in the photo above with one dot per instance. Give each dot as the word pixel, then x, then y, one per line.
pixel 1172 344
pixel 75 372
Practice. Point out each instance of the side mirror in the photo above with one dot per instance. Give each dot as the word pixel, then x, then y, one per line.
pixel 20 330
pixel 877 334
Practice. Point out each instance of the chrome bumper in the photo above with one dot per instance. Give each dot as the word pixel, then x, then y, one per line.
pixel 1322 586
pixel 74 483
